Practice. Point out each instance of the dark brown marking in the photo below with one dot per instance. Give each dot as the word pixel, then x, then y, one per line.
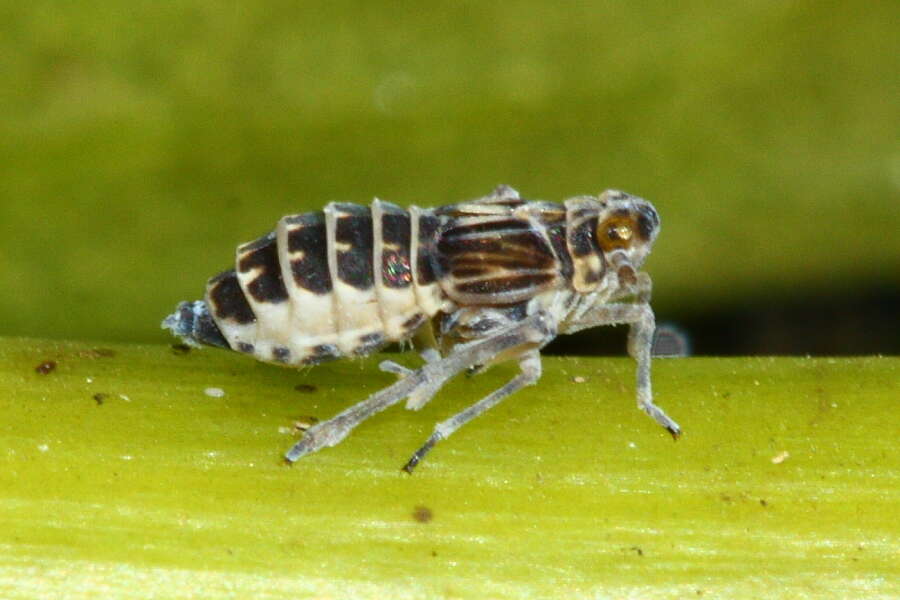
pixel 510 267
pixel 180 349
pixel 582 240
pixel 579 214
pixel 499 285
pixel 206 331
pixel 523 248
pixel 593 276
pixel 262 256
pixel 306 388
pixel 395 228
pixel 100 397
pixel 495 227
pixel 471 272
pixel 428 229
pixel 369 343
pixel 322 353
pixel 228 300
pixel 353 227
pixel 414 322
pixel 557 235
pixel 281 354
pixel 192 321
pixel 515 258
pixel 46 367
pixel 451 210
pixel 647 222
pixel 311 269
pixel 627 275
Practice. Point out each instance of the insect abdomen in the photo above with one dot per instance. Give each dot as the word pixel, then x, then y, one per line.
pixel 342 281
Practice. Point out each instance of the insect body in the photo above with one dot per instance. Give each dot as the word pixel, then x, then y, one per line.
pixel 470 284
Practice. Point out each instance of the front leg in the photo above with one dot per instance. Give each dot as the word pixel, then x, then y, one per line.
pixel 640 342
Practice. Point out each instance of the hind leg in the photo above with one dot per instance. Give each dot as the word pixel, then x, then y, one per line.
pixel 530 364
pixel 533 331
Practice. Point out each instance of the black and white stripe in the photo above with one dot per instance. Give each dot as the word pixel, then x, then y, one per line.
pixel 349 279
pixel 338 282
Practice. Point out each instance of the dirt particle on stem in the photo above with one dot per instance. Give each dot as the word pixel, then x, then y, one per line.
pixel 46 367
pixel 422 514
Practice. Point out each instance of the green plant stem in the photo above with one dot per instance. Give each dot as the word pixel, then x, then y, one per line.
pixel 121 477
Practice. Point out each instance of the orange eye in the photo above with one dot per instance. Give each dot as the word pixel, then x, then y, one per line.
pixel 615 233
pixel 621 232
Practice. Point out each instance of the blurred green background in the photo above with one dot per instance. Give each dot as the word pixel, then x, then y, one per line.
pixel 141 141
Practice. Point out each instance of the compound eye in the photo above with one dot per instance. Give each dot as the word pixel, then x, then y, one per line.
pixel 615 233
pixel 620 232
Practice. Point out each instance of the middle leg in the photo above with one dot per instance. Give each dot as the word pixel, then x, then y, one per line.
pixel 530 364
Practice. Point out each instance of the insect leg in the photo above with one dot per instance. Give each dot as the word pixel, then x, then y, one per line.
pixel 425 342
pixel 530 364
pixel 429 355
pixel 534 330
pixel 423 393
pixel 389 366
pixel 640 341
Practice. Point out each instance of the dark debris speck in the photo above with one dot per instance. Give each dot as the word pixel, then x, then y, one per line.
pixel 306 388
pixel 46 367
pixel 422 514
pixel 180 349
pixel 100 397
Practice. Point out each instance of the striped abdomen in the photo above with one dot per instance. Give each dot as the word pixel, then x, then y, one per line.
pixel 342 281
